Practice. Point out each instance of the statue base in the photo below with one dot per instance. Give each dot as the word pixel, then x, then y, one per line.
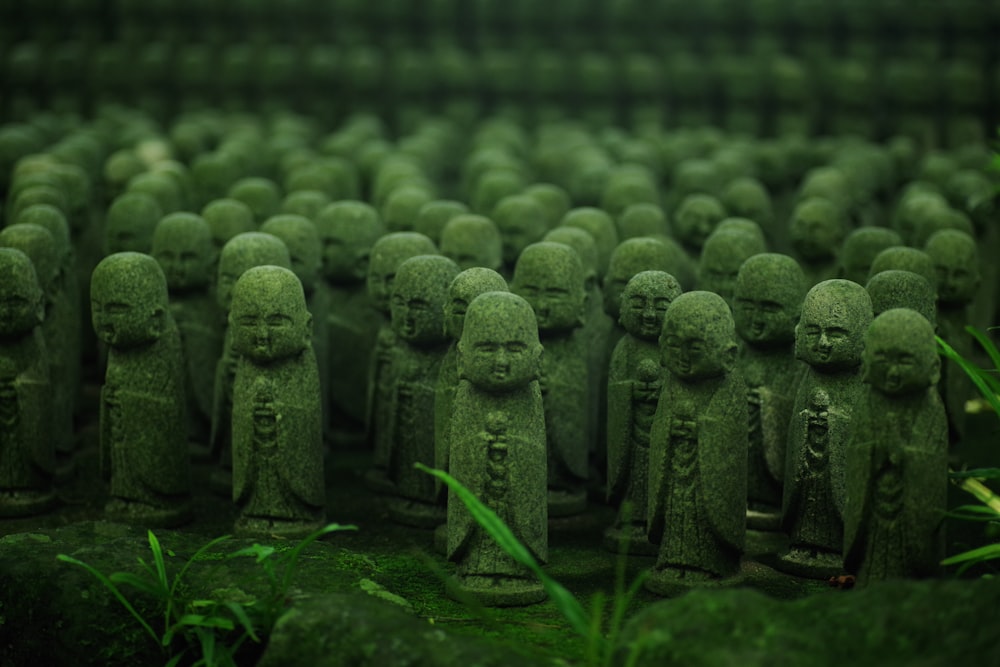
pixel 764 520
pixel 416 513
pixel 566 503
pixel 673 581
pixel 810 563
pixel 25 502
pixel 262 526
pixel 130 511
pixel 630 540
pixel 495 591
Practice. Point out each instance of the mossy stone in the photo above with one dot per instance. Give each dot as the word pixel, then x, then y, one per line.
pixel 816 231
pixel 261 195
pixel 227 218
pixel 434 215
pixel 904 258
pixel 902 289
pixel 522 220
pixel 723 254
pixel 129 223
pixel 472 240
pixel 695 219
pixel 860 248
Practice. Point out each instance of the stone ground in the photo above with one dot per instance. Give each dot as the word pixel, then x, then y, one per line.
pixel 384 580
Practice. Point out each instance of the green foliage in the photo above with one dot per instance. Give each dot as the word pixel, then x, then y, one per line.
pixel 987 381
pixel 213 629
pixel 599 639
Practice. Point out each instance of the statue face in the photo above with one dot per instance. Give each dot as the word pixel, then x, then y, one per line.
pixel 956 264
pixel 815 229
pixel 499 348
pixel 121 319
pixel 689 351
pixel 414 316
pixel 269 317
pixel 896 369
pixel 186 258
pixel 554 289
pixel 696 219
pixel 20 303
pixel 642 310
pixel 763 313
pixel 828 336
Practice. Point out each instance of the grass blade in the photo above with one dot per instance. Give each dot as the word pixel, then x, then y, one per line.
pixel 986 344
pixel 974 372
pixel 565 602
pixel 243 618
pixel 293 555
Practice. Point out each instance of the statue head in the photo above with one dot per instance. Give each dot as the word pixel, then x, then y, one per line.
pixel 521 221
pixel 645 300
pixel 55 222
pixel 22 304
pixel 698 339
pixel 227 218
pixel 128 300
pixel 434 215
pixel 695 219
pixel 599 225
pixel 902 289
pixel 399 212
pixel 304 248
pixel 956 262
pixel 269 318
pixel 40 246
pixel 499 348
pixel 830 332
pixel 347 231
pixel 644 253
pixel 550 277
pixel 816 229
pixel 905 258
pixel 723 254
pixel 387 254
pixel 129 223
pixel 767 299
pixel 466 286
pixel 245 251
pixel 183 245
pixel 553 199
pixel 747 197
pixel 472 240
pixel 860 248
pixel 643 220
pixel 900 354
pixel 419 296
pixel 261 195
pixel 307 203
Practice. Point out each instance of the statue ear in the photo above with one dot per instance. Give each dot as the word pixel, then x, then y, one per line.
pixel 308 325
pixel 460 361
pixel 731 356
pixel 156 322
pixel 539 355
pixel 935 370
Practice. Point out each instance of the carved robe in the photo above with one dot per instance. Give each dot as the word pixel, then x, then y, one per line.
pixel 27 458
pixel 566 393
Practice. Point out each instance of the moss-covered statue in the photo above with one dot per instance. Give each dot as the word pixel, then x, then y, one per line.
pixel 829 338
pixel 242 252
pixel 722 255
pixel 419 295
pixel 859 249
pixel 549 276
pixel 388 253
pixel 277 420
pixel 956 260
pixel 59 319
pixel 902 289
pixel 521 221
pixel 472 240
pixel 144 448
pixel 227 218
pixel 695 218
pixel 499 453
pixel 347 231
pixel 129 223
pixel 904 258
pixel 466 286
pixel 816 231
pixel 633 390
pixel 183 246
pixel 698 448
pixel 897 458
pixel 766 306
pixel 27 454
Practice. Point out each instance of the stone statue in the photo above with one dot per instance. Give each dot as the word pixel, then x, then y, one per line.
pixel 386 256
pixel 642 220
pixel 955 256
pixel 767 302
pixel 472 240
pixel 598 224
pixel 697 448
pixel 466 286
pixel 227 218
pixel 695 219
pixel 549 276
pixel 722 255
pixel 860 248
pixel 816 231
pixel 143 443
pixel 129 223
pixel 747 197
pixel 904 258
pixel 897 457
pixel 498 450
pixel 347 231
pixel 27 454
pixel 184 248
pixel 633 390
pixel 278 481
pixel 261 195
pixel 419 297
pixel 554 199
pixel 242 252
pixel 434 215
pixel 305 250
pixel 829 339
pixel 307 203
pixel 522 221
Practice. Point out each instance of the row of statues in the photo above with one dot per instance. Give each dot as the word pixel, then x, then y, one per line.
pixel 536 352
